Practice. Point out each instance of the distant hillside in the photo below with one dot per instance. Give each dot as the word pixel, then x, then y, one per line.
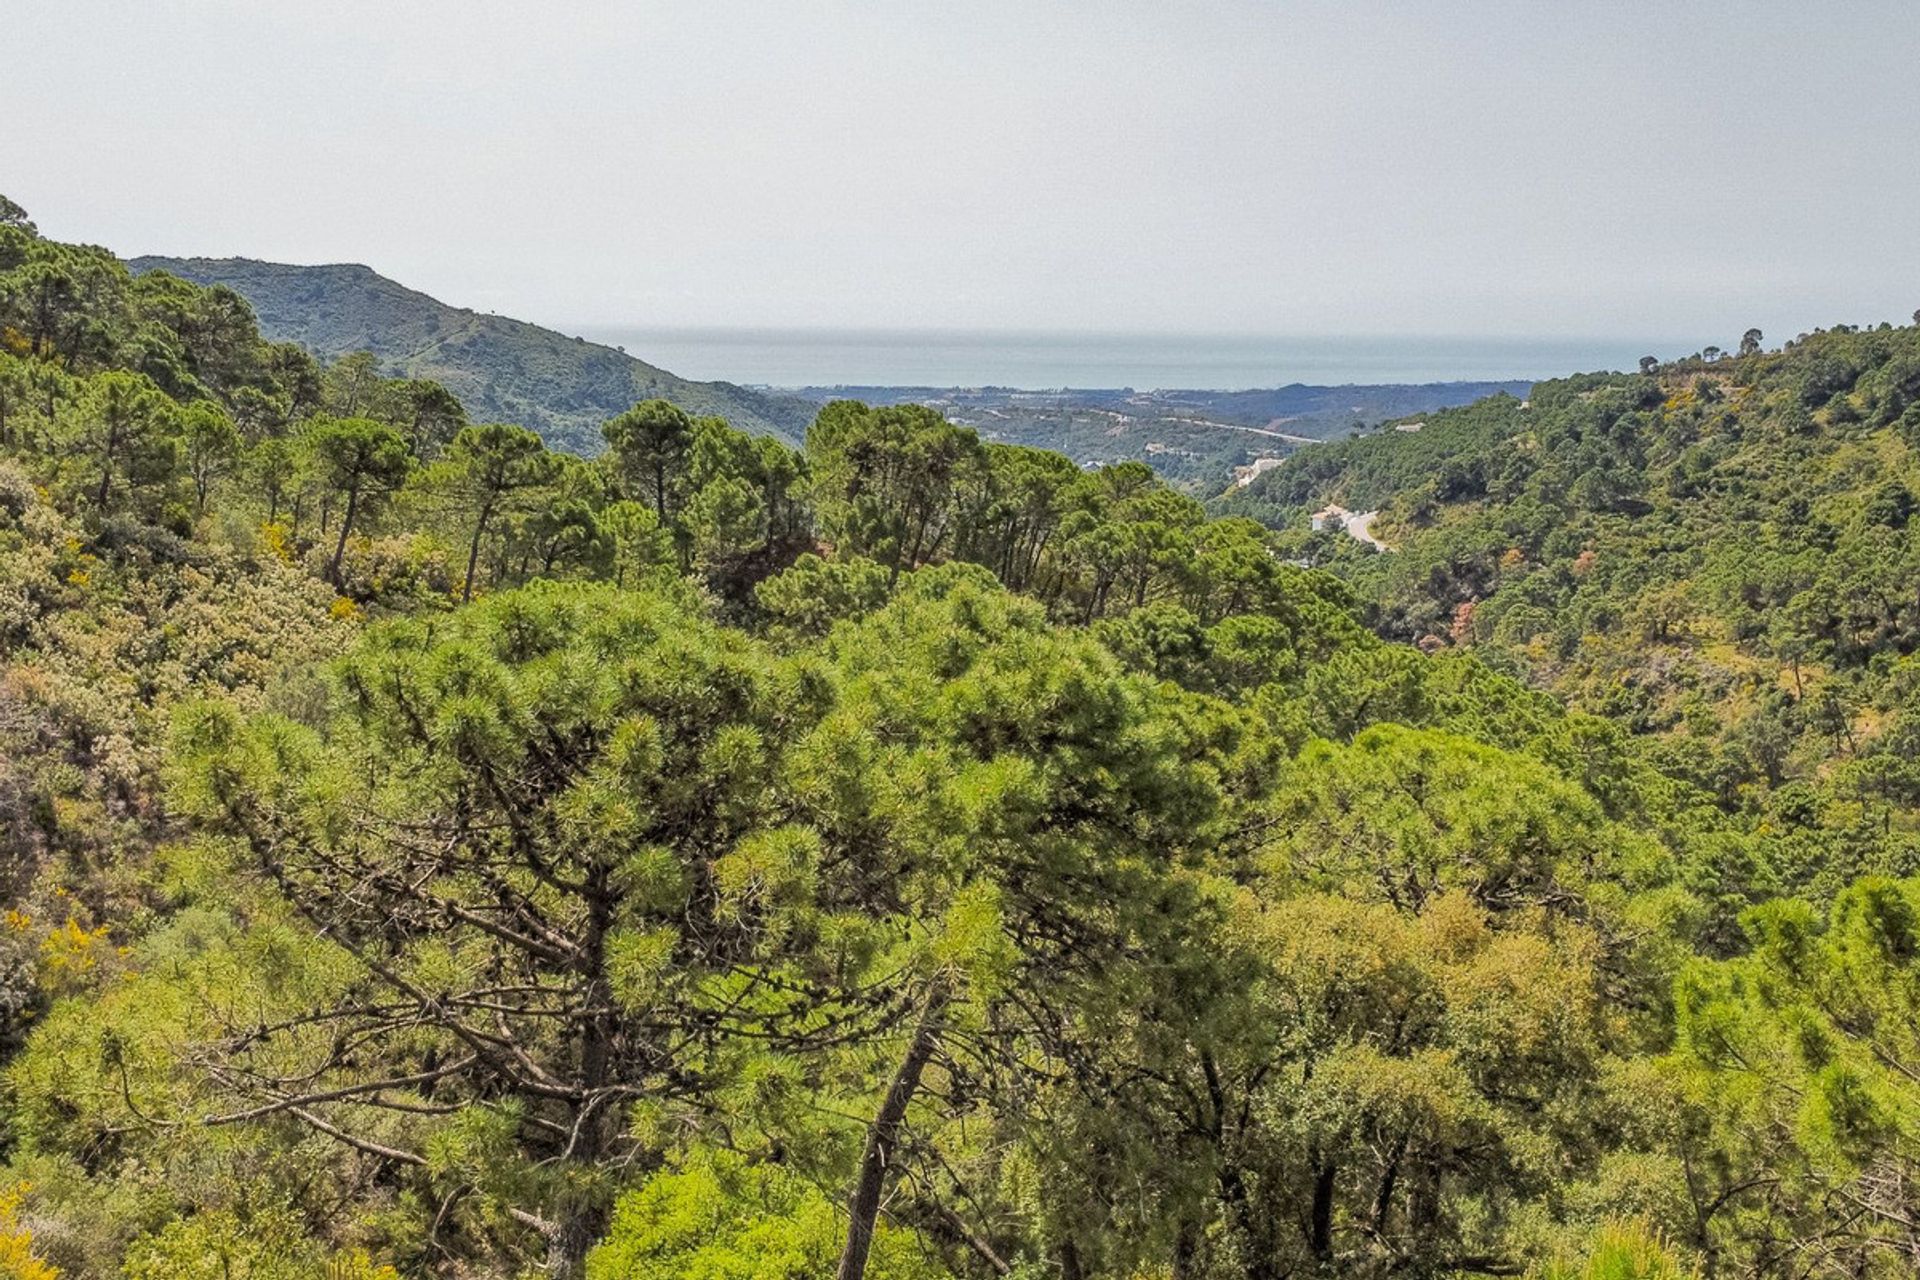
pixel 503 370
pixel 1309 412
pixel 1721 554
pixel 1195 439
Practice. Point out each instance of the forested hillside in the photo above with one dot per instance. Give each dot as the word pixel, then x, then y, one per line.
pixel 1194 440
pixel 429 854
pixel 506 370
pixel 1715 553
pixel 503 370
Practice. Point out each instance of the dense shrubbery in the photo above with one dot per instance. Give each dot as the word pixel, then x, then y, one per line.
pixel 1717 556
pixel 915 858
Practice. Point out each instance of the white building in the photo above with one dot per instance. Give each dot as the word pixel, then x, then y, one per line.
pixel 1333 516
pixel 1244 476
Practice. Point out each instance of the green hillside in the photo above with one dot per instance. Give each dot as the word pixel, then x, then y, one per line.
pixel 1720 554
pixel 912 857
pixel 503 370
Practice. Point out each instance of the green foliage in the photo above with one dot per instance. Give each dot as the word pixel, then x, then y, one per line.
pixel 1742 611
pixel 885 479
pixel 917 856
pixel 648 444
pixel 502 370
pixel 729 504
pixel 123 433
pixel 717 1217
pixel 812 594
pixel 579 756
pixel 488 467
pixel 1805 1049
pixel 1406 816
pixel 1620 1251
pixel 357 462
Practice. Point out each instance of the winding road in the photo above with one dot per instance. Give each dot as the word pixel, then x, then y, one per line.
pixel 1360 529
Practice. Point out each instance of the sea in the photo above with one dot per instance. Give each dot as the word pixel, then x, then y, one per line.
pixel 1043 361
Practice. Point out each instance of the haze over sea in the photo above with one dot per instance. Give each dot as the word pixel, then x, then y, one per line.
pixel 974 358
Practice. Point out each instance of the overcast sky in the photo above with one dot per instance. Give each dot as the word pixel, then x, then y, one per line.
pixel 1296 168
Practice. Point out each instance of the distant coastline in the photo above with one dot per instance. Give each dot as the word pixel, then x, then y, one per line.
pixel 1037 361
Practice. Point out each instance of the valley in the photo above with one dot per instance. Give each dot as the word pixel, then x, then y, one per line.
pixel 436 848
pixel 511 371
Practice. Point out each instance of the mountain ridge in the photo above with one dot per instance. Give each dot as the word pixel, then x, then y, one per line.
pixel 503 369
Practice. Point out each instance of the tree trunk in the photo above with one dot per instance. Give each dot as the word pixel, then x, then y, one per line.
pixel 568 1246
pixel 1186 1248
pixel 863 1206
pixel 473 552
pixel 346 526
pixel 1323 1189
pixel 106 470
pixel 1260 1261
pixel 581 1217
pixel 919 540
pixel 1383 1199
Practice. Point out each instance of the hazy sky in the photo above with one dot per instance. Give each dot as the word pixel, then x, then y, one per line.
pixel 1664 169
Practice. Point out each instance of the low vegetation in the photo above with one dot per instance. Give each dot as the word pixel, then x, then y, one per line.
pixel 923 859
